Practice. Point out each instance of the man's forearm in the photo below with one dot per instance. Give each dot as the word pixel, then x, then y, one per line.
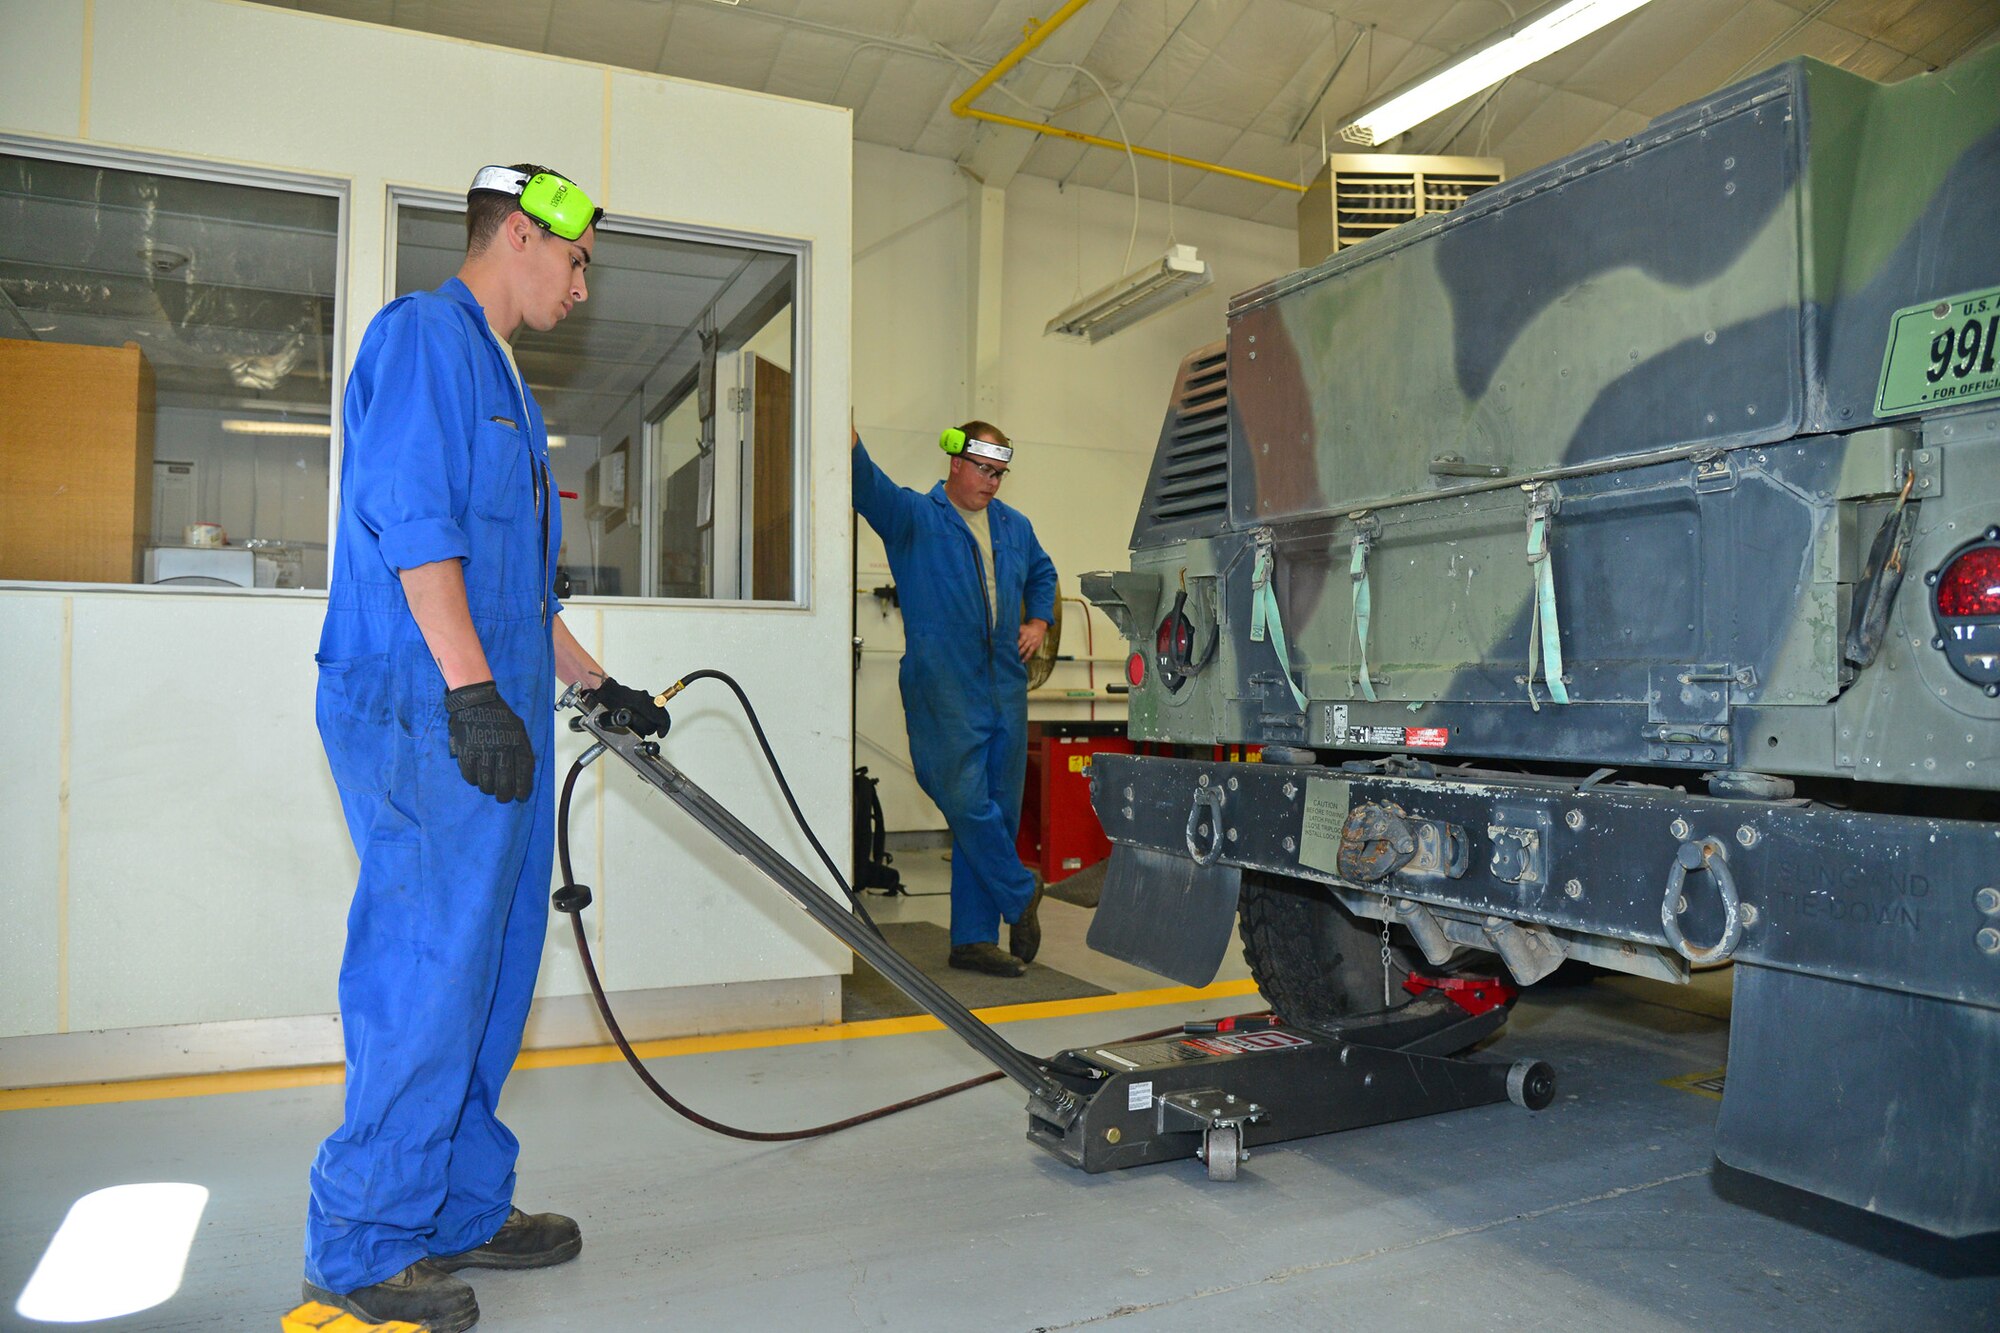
pixel 436 594
pixel 573 663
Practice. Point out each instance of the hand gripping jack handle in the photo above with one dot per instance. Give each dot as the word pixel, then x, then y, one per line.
pixel 1048 1100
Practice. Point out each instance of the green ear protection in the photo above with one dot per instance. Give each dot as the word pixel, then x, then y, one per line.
pixel 555 204
pixel 955 441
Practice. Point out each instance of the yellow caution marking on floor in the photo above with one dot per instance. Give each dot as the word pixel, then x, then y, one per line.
pixel 1705 1084
pixel 157 1089
pixel 562 1057
pixel 312 1317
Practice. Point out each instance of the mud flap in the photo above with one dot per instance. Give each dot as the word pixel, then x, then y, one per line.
pixel 1878 1098
pixel 1163 912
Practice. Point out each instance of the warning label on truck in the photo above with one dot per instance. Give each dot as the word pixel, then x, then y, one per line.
pixel 1324 817
pixel 1400 738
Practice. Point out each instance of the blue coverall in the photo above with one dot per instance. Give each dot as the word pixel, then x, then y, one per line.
pixel 965 689
pixel 445 457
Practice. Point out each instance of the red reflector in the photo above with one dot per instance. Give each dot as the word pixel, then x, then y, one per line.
pixel 1970 585
pixel 1135 670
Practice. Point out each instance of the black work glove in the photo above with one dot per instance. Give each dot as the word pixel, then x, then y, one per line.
pixel 490 742
pixel 645 718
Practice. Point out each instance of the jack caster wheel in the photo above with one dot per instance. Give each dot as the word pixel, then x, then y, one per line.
pixel 1222 1149
pixel 1532 1084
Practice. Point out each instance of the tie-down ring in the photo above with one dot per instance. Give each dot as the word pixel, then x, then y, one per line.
pixel 1212 798
pixel 1709 855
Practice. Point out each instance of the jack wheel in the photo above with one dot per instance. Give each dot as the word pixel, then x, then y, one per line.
pixel 1531 1084
pixel 1222 1149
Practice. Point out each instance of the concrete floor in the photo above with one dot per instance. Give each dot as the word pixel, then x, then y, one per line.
pixel 1607 1210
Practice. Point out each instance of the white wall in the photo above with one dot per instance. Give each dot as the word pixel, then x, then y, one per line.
pixel 1084 417
pixel 173 845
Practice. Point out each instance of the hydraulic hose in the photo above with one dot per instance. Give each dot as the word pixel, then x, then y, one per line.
pixel 777 772
pixel 573 898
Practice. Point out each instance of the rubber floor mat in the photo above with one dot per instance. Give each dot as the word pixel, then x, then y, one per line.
pixel 868 994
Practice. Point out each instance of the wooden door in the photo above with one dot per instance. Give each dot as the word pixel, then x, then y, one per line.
pixel 771 505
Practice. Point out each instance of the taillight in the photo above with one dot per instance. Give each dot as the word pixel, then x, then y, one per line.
pixel 1135 670
pixel 1970 584
pixel 1173 646
pixel 1965 604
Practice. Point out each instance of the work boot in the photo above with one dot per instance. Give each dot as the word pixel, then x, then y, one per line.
pixel 1024 937
pixel 986 957
pixel 524 1240
pixel 423 1294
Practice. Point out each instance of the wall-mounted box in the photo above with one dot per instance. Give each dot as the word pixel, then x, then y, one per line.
pixel 1360 195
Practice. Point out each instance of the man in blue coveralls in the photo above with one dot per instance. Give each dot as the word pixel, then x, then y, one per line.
pixel 437 668
pixel 978 595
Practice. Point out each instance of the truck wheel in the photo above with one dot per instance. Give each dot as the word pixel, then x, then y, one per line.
pixel 1314 960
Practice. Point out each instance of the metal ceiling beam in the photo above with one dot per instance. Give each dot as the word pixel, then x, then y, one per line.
pixel 998 154
pixel 962 106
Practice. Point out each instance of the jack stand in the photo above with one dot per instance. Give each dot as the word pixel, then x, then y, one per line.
pixel 1214 1095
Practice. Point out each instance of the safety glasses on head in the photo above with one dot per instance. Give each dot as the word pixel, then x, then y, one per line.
pixel 955 441
pixel 554 203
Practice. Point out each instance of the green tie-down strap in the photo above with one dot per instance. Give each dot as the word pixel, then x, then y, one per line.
pixel 1357 571
pixel 1543 632
pixel 1264 618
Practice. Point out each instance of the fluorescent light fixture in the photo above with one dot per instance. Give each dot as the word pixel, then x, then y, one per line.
pixel 558 441
pixel 1135 296
pixel 246 426
pixel 121 1250
pixel 1534 38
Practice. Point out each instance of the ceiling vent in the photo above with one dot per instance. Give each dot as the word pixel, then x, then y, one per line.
pixel 1358 196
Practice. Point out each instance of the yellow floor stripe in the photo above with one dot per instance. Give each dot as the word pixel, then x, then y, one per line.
pixel 561 1057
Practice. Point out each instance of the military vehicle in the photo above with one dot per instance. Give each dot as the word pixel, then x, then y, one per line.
pixel 1610 570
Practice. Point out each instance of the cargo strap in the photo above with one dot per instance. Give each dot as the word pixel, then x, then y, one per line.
pixel 1357 571
pixel 1264 616
pixel 1544 635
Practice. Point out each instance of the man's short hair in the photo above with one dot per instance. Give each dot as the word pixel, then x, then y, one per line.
pixel 485 210
pixel 984 430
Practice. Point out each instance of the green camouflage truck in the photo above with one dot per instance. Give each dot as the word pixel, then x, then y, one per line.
pixel 1610 570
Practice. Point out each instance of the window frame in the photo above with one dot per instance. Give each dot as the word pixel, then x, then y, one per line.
pixel 800 251
pixel 224 171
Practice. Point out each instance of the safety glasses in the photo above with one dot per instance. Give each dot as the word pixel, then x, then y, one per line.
pixel 987 471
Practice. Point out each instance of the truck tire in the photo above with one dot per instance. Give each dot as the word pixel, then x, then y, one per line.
pixel 1312 959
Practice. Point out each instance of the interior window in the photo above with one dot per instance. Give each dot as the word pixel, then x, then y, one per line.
pixel 167 371
pixel 669 398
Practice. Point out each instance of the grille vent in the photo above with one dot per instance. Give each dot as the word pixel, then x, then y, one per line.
pixel 1189 486
pixel 1361 195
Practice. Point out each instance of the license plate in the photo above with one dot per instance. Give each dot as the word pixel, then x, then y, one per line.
pixel 1941 354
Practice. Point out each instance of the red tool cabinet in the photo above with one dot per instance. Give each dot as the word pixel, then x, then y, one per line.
pixel 1059 833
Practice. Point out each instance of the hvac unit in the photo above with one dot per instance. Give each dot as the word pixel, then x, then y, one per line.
pixel 1361 195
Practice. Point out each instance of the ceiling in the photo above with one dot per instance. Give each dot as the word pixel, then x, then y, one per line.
pixel 1252 84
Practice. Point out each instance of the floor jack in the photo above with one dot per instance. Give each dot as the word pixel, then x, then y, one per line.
pixel 1211 1091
